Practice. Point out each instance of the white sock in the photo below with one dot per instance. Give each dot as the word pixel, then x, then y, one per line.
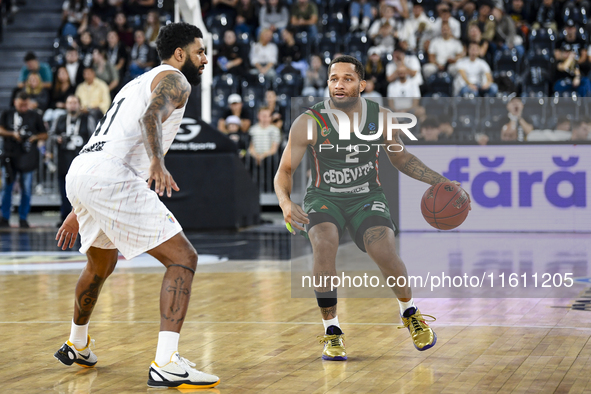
pixel 354 21
pixel 405 305
pixel 331 322
pixel 168 343
pixel 79 335
pixel 365 23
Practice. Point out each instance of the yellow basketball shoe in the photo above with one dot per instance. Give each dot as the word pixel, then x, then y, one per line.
pixel 423 337
pixel 334 344
pixel 68 354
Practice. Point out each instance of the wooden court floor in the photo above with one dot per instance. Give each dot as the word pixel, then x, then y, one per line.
pixel 246 328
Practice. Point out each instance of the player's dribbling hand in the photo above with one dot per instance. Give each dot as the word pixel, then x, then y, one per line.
pixel 162 179
pixel 294 215
pixel 468 194
pixel 68 232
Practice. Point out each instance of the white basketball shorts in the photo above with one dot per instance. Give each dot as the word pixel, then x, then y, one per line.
pixel 115 208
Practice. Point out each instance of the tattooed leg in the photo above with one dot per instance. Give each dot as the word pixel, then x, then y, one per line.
pixel 381 247
pixel 101 263
pixel 325 242
pixel 180 259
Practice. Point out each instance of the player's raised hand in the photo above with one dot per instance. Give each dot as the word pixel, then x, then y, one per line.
pixel 294 215
pixel 468 194
pixel 163 180
pixel 68 232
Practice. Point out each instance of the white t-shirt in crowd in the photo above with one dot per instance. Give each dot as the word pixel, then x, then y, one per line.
pixel 411 62
pixel 263 54
pixel 263 138
pixel 454 25
pixel 476 70
pixel 445 49
pixel 403 93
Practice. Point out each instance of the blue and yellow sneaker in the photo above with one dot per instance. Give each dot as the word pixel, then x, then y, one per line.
pixel 421 334
pixel 334 344
pixel 68 354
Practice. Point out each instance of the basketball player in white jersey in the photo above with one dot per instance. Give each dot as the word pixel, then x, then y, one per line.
pixel 115 210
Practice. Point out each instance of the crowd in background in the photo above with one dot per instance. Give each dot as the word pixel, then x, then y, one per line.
pixel 267 51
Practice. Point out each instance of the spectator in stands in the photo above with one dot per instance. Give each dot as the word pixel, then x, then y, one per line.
pixel 546 15
pixel 519 122
pixel 103 9
pixel 85 48
pixel 116 53
pixel 417 26
pixel 404 95
pixel 125 32
pixel 375 70
pixel 237 109
pixel 474 75
pixel 571 54
pixel 475 35
pixel 385 40
pixel 38 95
pixel 33 65
pixel 138 7
pixel 231 58
pixel 520 15
pixel 580 131
pixel 429 130
pixel 274 16
pixel 70 133
pixel 62 88
pixel 291 54
pixel 74 17
pixel 357 7
pixel 264 55
pixel 304 16
pixel 104 70
pixel 21 130
pixel 142 57
pixel 316 77
pixel 484 21
pixel 265 138
pixel 276 110
pixel 444 52
pixel 403 62
pixel 444 17
pixel 74 67
pixel 370 93
pixel 94 94
pixel 468 6
pixel 505 33
pixel 98 30
pixel 152 27
pixel 241 139
pixel 246 18
pixel 509 132
pixel 386 18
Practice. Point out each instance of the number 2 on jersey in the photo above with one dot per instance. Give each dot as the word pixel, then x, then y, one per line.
pixel 103 120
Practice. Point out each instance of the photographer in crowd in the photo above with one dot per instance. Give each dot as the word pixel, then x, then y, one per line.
pixel 21 129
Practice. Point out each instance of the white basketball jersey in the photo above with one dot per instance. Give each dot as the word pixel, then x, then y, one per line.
pixel 119 133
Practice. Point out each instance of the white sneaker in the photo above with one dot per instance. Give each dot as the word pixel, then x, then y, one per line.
pixel 68 354
pixel 180 374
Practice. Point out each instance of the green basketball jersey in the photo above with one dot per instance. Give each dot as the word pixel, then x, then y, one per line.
pixel 345 166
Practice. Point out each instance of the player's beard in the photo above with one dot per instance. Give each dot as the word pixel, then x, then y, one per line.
pixel 347 102
pixel 191 72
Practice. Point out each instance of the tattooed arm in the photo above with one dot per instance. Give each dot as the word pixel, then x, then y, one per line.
pixel 170 93
pixel 409 164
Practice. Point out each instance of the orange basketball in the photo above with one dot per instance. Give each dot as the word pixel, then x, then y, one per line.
pixel 445 205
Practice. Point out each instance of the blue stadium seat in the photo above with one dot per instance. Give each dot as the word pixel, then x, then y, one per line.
pixel 439 84
pixel 542 58
pixel 357 42
pixel 327 45
pixel 542 39
pixel 334 21
pixel 305 42
pixel 506 63
pixel 536 82
pixel 223 86
pixel 220 21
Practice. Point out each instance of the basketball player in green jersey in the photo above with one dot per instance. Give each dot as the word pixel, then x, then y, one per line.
pixel 345 192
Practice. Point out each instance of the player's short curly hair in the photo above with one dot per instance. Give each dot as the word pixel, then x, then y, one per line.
pixel 175 35
pixel 349 59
